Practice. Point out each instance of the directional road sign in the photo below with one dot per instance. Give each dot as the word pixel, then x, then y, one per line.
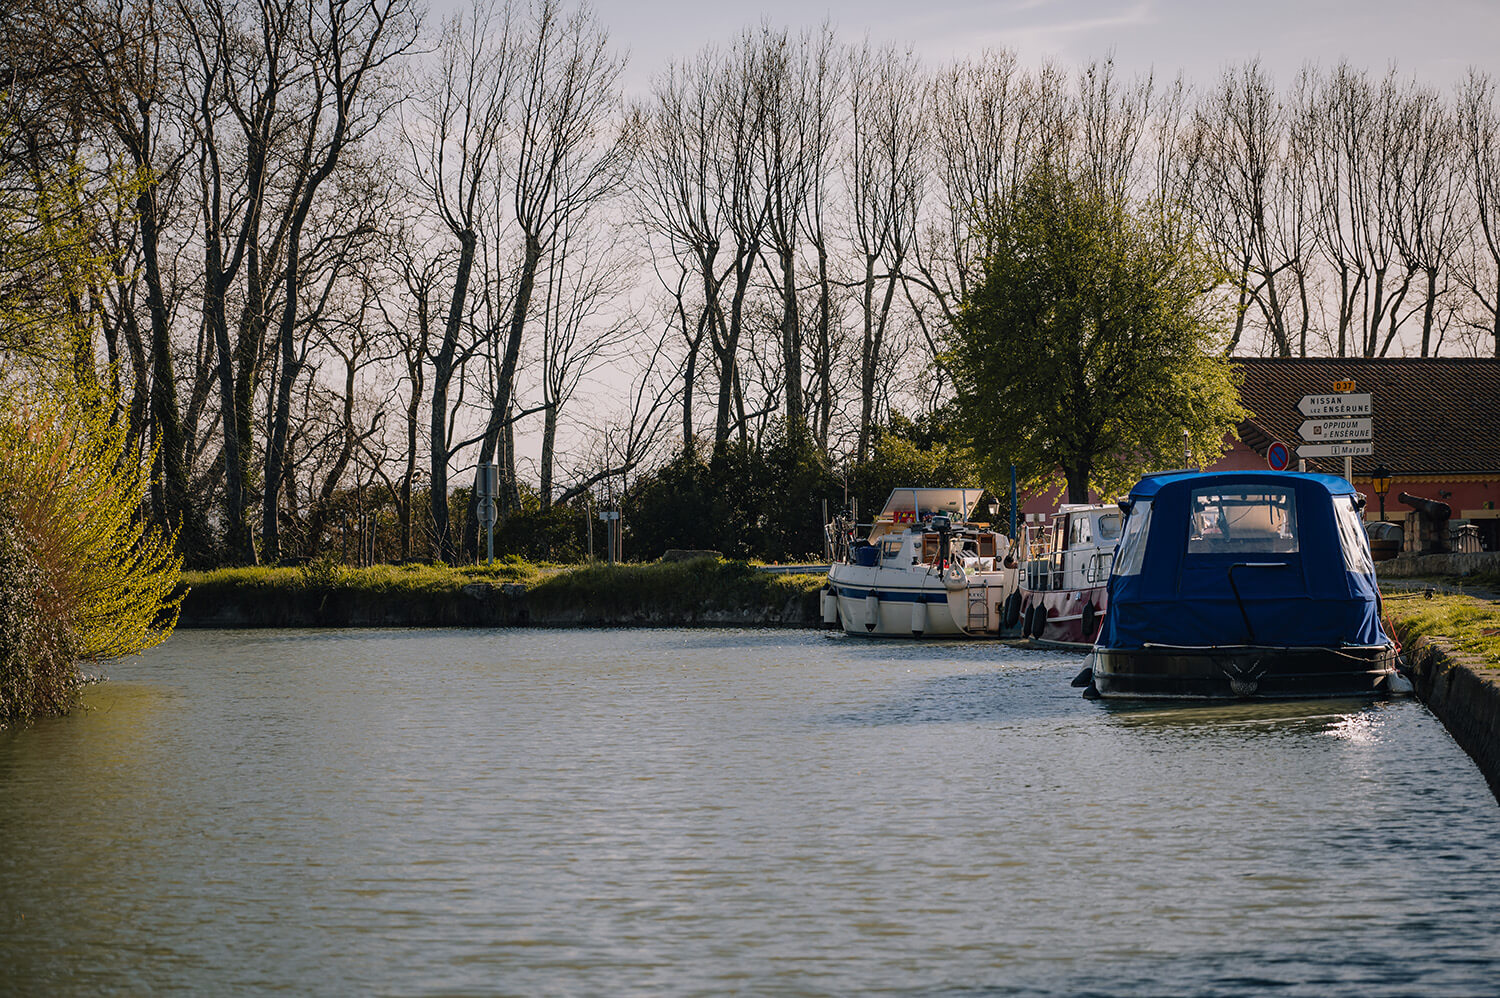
pixel 1363 449
pixel 1342 404
pixel 1323 430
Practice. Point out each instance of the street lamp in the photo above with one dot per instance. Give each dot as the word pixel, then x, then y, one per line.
pixel 1380 481
pixel 994 509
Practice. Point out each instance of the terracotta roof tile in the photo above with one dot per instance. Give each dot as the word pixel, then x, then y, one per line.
pixel 1432 415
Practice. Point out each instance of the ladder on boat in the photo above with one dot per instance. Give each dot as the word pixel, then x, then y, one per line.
pixel 979 608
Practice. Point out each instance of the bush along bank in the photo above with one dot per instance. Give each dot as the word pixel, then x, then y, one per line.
pixel 83 576
pixel 1451 643
pixel 703 592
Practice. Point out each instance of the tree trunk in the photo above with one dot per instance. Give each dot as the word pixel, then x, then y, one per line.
pixel 728 354
pixel 164 414
pixel 825 349
pixel 1427 311
pixel 867 365
pixel 791 344
pixel 505 382
pixel 549 441
pixel 1078 483
pixel 689 378
pixel 442 375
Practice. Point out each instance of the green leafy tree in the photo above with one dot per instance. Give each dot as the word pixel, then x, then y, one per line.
pixel 744 502
pixel 906 454
pixel 1091 342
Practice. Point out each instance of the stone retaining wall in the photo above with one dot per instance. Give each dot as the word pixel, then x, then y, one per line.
pixel 479 604
pixel 1419 565
pixel 1464 695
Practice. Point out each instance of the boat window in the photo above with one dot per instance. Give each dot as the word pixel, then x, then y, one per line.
pixel 1352 537
pixel 890 549
pixel 1078 531
pixel 1252 518
pixel 1133 543
pixel 1109 527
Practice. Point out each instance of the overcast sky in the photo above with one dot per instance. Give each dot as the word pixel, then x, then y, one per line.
pixel 1434 40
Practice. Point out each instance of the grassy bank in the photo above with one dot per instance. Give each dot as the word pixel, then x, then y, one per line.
pixel 1468 625
pixel 1451 643
pixel 512 592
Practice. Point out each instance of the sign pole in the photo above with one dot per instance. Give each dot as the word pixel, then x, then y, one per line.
pixel 486 484
pixel 1338 424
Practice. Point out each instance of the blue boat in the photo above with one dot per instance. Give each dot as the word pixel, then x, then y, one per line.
pixel 1243 584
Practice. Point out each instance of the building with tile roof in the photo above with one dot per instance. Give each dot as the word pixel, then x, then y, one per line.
pixel 1436 425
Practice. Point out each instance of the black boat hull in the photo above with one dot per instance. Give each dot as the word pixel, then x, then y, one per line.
pixel 1243 672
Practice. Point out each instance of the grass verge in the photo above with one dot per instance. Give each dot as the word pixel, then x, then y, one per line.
pixel 1468 624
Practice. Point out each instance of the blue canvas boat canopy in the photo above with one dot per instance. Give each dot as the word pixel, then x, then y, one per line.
pixel 1268 558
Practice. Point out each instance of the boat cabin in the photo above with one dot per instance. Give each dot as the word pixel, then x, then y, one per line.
pixel 1243 558
pixel 910 531
pixel 1074 551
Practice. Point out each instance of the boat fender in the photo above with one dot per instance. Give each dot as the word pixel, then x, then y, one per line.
pixel 918 619
pixel 954 577
pixel 1026 621
pixel 1092 693
pixel 1397 684
pixel 872 611
pixel 831 607
pixel 1012 609
pixel 1090 618
pixel 1084 678
pixel 1039 620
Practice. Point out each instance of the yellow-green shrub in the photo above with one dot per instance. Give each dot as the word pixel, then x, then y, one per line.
pixel 82 574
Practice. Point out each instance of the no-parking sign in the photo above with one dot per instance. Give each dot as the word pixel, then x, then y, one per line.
pixel 1278 456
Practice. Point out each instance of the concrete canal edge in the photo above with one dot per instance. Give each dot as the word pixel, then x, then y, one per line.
pixel 1463 694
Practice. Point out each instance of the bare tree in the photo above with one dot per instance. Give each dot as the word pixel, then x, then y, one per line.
pixel 1427 197
pixel 411 308
pixel 986 118
pixel 797 83
pixel 569 155
pixel 347 44
pixel 1479 128
pixel 739 189
pixel 884 175
pixel 1244 191
pixel 1352 126
pixel 678 202
pixel 123 78
pixel 455 140
pixel 582 324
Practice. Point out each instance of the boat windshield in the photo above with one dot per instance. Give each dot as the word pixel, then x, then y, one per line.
pixel 1109 527
pixel 1248 519
pixel 1133 544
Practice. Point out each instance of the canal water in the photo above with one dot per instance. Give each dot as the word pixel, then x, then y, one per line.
pixel 708 812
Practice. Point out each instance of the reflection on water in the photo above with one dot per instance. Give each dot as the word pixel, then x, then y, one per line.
pixel 554 812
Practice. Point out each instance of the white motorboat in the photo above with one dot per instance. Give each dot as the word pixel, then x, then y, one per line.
pixel 923 570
